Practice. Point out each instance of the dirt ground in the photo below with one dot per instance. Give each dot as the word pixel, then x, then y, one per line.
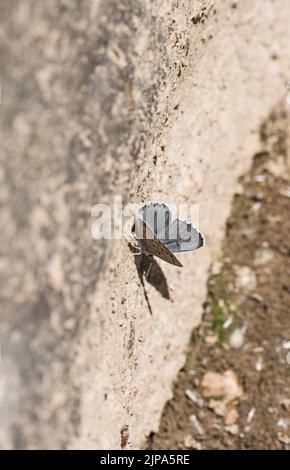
pixel 245 333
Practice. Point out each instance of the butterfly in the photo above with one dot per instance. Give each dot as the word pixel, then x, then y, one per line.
pixel 159 235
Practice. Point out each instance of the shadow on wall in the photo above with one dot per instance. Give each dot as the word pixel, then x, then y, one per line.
pixel 149 270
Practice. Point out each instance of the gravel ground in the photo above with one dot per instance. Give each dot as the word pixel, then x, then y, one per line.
pixel 234 390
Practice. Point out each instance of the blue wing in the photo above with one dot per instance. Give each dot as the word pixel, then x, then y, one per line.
pixel 182 236
pixel 157 216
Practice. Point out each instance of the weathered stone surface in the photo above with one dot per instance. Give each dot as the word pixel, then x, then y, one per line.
pixel 148 99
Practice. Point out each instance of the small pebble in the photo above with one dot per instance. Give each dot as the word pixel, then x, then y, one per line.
pixel 233 429
pixel 194 397
pixel 198 427
pixel 286 404
pixel 191 443
pixel 228 322
pixel 237 338
pixel 211 339
pixel 251 415
pixel 259 365
pixel 260 178
pixel 246 278
pixel 231 417
pixel 282 423
pixel 285 192
pixel 263 256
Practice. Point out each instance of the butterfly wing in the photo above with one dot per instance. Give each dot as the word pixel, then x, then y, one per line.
pixel 156 248
pixel 157 216
pixel 150 244
pixel 182 236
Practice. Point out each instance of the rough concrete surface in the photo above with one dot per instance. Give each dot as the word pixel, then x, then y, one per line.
pixel 158 100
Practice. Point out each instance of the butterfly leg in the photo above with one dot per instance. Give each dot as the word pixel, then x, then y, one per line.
pixel 149 269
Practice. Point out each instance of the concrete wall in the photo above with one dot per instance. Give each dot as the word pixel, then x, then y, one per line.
pixel 155 100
